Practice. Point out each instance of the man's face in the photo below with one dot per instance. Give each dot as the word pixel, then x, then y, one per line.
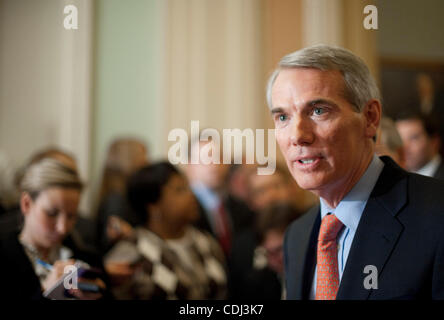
pixel 265 190
pixel 418 146
pixel 212 175
pixel 325 142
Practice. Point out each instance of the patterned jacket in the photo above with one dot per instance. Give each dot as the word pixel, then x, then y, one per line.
pixel 161 273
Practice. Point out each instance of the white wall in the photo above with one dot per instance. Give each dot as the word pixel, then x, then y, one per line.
pixel 214 60
pixel 128 68
pixel 44 80
pixel 30 60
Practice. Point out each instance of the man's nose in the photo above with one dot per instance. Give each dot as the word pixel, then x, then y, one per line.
pixel 302 132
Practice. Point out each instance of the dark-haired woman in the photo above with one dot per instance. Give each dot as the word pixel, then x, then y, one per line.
pixel 169 258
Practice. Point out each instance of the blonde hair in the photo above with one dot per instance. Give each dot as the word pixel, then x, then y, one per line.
pixel 48 173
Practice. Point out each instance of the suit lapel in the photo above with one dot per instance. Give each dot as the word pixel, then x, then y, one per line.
pixel 302 255
pixel 439 174
pixel 377 232
pixel 310 256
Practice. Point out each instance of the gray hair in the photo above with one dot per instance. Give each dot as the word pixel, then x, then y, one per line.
pixel 360 87
pixel 48 173
pixel 389 134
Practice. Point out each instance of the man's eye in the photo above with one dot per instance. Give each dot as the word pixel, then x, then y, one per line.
pixel 51 213
pixel 318 111
pixel 282 117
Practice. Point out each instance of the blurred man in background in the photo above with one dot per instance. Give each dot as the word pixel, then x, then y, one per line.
pixel 265 276
pixel 221 214
pixel 422 143
pixel 263 190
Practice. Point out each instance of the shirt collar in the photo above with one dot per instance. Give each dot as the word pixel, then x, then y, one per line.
pixel 349 210
pixel 207 198
pixel 430 168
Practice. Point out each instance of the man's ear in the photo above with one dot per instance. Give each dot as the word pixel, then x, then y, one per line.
pixel 372 113
pixel 25 203
pixel 436 143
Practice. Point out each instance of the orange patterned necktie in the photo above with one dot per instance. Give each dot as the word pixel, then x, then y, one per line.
pixel 327 283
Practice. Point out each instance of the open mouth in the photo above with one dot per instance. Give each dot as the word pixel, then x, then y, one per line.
pixel 307 161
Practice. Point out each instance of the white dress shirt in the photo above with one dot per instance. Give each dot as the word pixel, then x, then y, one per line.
pixel 349 212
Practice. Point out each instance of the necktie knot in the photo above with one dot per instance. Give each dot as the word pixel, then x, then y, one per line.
pixel 330 227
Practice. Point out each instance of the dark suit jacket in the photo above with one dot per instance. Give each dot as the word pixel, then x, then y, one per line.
pixel 263 284
pixel 401 232
pixel 19 280
pixel 240 262
pixel 240 215
pixel 439 174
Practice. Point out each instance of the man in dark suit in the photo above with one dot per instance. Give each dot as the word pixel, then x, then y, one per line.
pixel 378 232
pixel 221 214
pixel 421 140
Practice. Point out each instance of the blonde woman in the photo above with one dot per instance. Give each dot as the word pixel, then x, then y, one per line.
pixel 34 259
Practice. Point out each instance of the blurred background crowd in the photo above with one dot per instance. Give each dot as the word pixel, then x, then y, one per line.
pixel 89 111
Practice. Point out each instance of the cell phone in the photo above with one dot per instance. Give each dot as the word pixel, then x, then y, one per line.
pixel 89 273
pixel 89 287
